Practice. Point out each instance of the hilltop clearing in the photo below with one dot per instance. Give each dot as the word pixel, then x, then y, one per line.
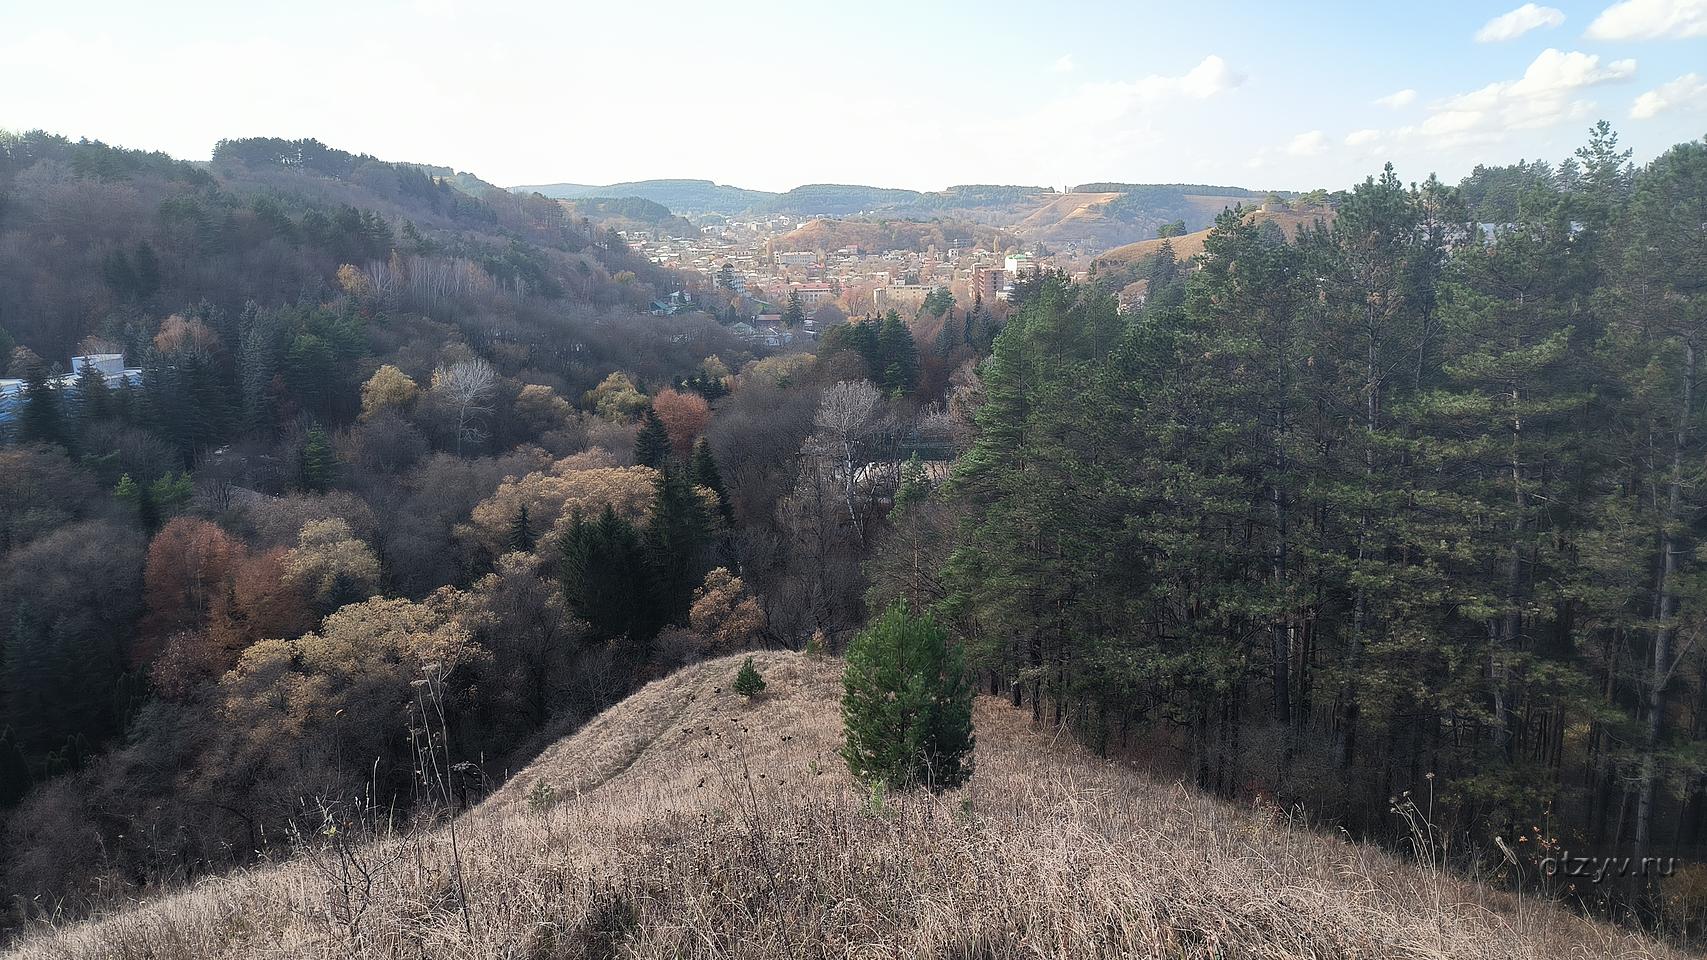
pixel 687 821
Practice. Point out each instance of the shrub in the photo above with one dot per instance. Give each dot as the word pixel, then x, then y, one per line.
pixel 748 683
pixel 907 705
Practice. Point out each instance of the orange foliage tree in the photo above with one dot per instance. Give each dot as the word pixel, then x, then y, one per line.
pixel 263 603
pixel 190 563
pixel 685 416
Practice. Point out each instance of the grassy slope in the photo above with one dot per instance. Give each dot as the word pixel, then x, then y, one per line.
pixel 1191 244
pixel 691 823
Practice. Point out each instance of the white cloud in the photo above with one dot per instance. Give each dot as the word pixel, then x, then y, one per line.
pixel 1396 100
pixel 1101 129
pixel 1688 92
pixel 1065 64
pixel 1510 26
pixel 1308 144
pixel 1210 77
pixel 1100 104
pixel 1651 20
pixel 1361 138
pixel 1546 94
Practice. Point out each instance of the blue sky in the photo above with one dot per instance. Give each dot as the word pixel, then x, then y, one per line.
pixel 919 94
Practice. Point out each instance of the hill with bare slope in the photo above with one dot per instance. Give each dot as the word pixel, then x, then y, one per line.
pixel 878 234
pixel 1191 244
pixel 689 822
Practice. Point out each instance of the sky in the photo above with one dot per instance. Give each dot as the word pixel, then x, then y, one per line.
pixel 902 94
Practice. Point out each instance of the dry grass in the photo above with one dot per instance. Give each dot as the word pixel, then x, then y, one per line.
pixel 688 822
pixel 1190 245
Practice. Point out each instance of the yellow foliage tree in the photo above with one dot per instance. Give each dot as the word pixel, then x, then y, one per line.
pixel 331 565
pixel 585 483
pixel 724 614
pixel 388 389
pixel 540 409
pixel 354 282
pixel 342 691
pixel 616 398
pixel 779 370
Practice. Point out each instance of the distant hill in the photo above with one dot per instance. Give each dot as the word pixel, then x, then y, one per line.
pixel 1123 268
pixel 267 219
pixel 839 200
pixel 881 233
pixel 625 213
pixel 1191 244
pixel 1101 215
pixel 685 197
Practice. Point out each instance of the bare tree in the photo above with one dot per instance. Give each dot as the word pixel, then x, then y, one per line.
pixel 846 414
pixel 467 386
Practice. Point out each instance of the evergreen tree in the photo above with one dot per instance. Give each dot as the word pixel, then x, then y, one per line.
pixel 521 537
pixel 677 537
pixel 41 420
pixel 898 356
pixel 607 580
pixel 260 352
pixel 147 508
pixel 94 397
pixel 57 677
pixel 914 486
pixel 706 474
pixel 794 314
pixel 652 442
pixel 748 683
pixel 318 463
pixel 907 704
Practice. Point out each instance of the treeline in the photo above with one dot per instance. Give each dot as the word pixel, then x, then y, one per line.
pixel 1406 507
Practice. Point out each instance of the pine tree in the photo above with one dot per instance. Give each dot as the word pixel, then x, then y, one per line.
pixel 748 683
pixel 794 314
pixel 677 536
pixel 898 356
pixel 652 443
pixel 318 463
pixel 260 352
pixel 706 474
pixel 521 539
pixel 914 486
pixel 907 705
pixel 94 398
pixel 607 580
pixel 41 420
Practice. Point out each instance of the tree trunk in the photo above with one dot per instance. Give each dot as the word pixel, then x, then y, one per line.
pixel 1659 665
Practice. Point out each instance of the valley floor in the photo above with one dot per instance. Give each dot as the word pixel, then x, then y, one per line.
pixel 689 822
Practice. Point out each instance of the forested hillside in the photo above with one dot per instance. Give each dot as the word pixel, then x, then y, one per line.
pixel 351 374
pixel 1403 508
pixel 400 469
